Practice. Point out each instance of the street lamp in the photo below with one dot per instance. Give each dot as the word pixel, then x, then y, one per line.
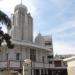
pixel 26 61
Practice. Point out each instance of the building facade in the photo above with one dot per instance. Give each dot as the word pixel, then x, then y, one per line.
pixel 70 65
pixel 39 52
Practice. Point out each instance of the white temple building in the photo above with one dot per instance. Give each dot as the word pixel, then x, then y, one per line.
pixel 40 52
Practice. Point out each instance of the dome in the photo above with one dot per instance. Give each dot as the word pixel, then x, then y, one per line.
pixel 20 6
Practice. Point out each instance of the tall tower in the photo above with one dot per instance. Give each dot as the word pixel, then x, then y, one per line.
pixel 22 23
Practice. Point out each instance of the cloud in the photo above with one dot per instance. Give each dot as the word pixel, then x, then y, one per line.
pixel 61 47
pixel 32 7
pixel 64 26
pixel 67 34
pixel 8 6
pixel 60 3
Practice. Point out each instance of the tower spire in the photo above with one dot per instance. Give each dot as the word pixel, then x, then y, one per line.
pixel 21 1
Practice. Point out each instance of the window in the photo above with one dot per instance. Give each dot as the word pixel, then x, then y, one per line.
pixel 33 54
pixel 43 59
pixel 17 56
pixel 7 56
pixel 50 62
pixel 57 63
pixel 50 56
pixel 48 43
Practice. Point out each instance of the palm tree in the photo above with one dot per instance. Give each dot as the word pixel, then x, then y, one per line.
pixel 4 19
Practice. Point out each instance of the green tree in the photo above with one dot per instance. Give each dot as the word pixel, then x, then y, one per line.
pixel 5 20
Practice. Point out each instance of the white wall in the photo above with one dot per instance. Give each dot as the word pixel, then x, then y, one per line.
pixel 71 67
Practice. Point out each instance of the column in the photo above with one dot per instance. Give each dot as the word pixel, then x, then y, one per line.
pixel 40 71
pixel 47 71
pixel 32 72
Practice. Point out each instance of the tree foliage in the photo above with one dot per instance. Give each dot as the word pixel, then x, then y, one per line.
pixel 4 19
pixel 4 37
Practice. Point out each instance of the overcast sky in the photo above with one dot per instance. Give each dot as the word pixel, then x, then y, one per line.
pixel 51 17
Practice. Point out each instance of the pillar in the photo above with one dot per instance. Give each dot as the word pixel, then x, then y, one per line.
pixel 40 71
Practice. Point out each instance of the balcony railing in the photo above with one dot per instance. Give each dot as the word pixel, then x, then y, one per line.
pixel 18 64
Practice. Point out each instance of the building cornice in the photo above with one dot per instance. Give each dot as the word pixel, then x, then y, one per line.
pixel 69 59
pixel 32 45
